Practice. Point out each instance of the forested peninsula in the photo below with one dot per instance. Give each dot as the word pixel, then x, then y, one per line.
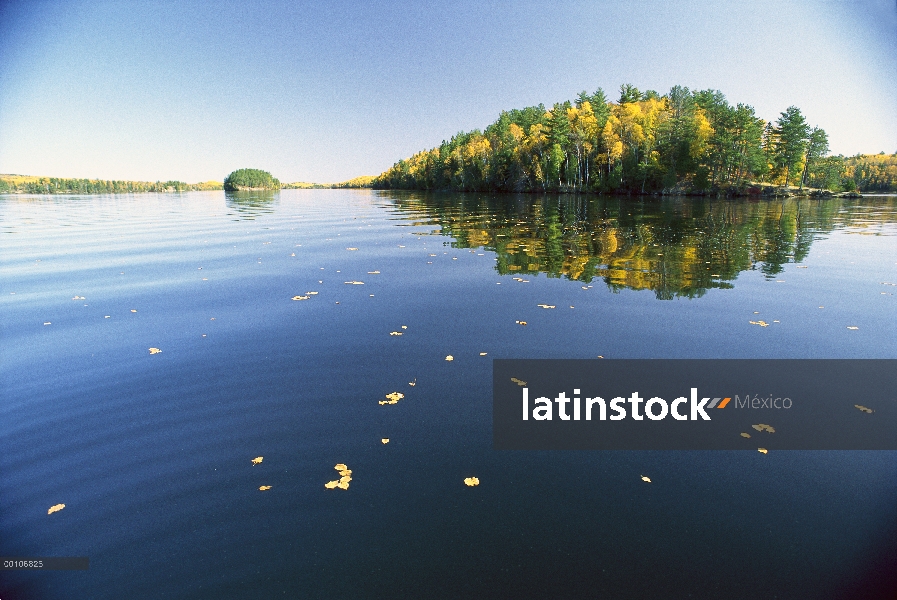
pixel 683 142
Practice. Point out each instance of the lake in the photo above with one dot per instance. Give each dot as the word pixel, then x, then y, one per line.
pixel 277 318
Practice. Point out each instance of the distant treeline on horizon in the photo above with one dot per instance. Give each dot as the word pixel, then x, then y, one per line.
pixel 683 141
pixel 29 184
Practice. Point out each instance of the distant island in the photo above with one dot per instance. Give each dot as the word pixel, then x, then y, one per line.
pixel 250 179
pixel 682 142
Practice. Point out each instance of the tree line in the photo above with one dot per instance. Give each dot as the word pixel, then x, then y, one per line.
pixel 644 142
pixel 55 185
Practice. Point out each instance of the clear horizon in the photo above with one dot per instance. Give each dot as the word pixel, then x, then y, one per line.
pixel 190 91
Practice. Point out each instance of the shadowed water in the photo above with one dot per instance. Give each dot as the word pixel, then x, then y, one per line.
pixel 151 453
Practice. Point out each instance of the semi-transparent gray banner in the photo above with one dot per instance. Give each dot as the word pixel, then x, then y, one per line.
pixel 760 405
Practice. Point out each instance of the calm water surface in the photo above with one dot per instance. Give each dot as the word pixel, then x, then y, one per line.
pixel 151 453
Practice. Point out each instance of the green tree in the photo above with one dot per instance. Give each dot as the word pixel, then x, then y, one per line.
pixel 792 134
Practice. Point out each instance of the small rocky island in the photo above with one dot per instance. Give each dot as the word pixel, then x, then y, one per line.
pixel 250 179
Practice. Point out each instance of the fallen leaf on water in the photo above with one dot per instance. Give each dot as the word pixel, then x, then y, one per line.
pixel 764 427
pixel 546 306
pixel 345 479
pixel 762 450
pixel 343 485
pixel 55 508
pixel 331 484
pixel 392 398
pixel 351 248
pixel 257 460
pixel 262 488
pixel 133 310
pixel 482 354
pixel 413 383
pixel 853 327
pixel 373 272
pixel 471 481
pixel 646 479
pixel 385 440
pixel 745 435
pixel 864 409
pixel 760 323
pixel 395 333
pixel 449 357
pixel 520 322
pixel 340 467
pixel 154 351
pixel 404 327
pixel 300 297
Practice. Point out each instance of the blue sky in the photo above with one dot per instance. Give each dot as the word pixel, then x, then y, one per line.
pixel 326 91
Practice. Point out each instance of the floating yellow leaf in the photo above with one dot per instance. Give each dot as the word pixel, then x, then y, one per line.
pixel 853 327
pixel 745 435
pixel 520 322
pixel 154 351
pixel 264 487
pixel 55 508
pixel 392 398
pixel 413 383
pixel 258 460
pixel 331 484
pixel 384 440
pixel 546 306
pixel 450 357
pixel 133 310
pixel 471 481
pixel 395 333
pixel 764 427
pixel 404 327
pixel 646 479
pixel 351 248
pixel 760 323
pixel 340 467
pixel 345 479
pixel 864 409
pixel 762 450
pixel 343 485
pixel 345 472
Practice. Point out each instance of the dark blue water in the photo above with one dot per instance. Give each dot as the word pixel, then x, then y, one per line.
pixel 151 453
